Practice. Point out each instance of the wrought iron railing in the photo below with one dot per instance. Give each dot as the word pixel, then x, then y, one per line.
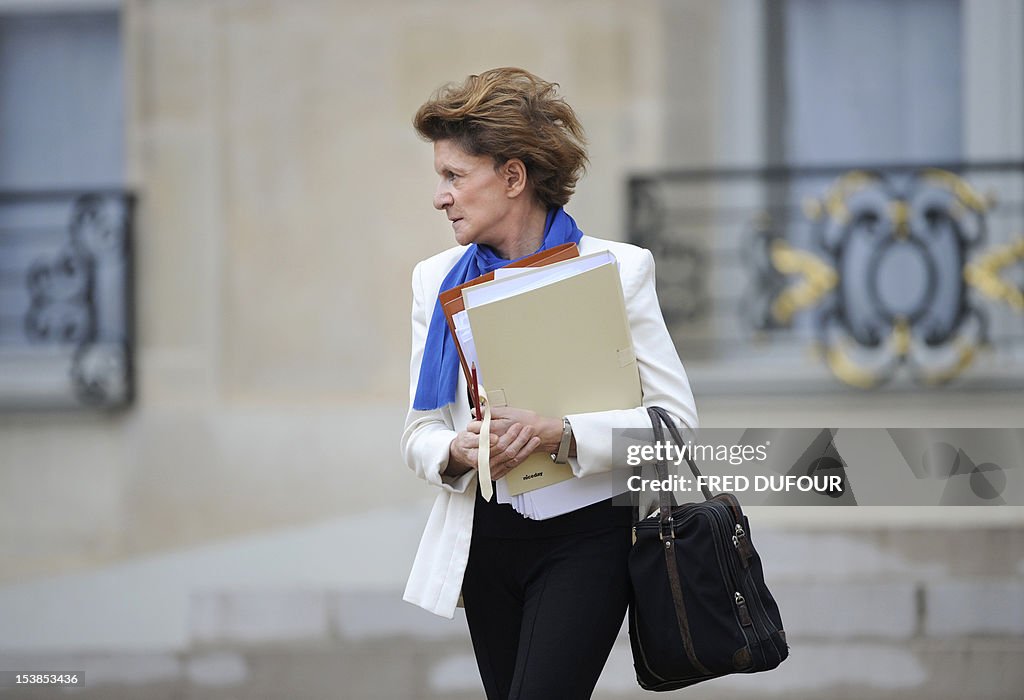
pixel 66 316
pixel 896 276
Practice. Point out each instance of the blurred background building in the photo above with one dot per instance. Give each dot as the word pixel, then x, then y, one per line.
pixel 209 213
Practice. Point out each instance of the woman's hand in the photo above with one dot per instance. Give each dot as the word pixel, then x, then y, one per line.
pixel 511 440
pixel 464 450
pixel 511 447
pixel 547 430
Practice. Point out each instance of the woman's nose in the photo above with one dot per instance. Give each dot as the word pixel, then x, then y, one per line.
pixel 442 197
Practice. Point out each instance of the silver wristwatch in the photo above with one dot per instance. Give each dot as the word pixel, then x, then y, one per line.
pixel 563 447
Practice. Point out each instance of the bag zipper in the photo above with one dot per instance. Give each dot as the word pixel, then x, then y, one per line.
pixel 740 611
pixel 745 582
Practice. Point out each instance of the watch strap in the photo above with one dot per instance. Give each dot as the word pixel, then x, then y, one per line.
pixel 562 457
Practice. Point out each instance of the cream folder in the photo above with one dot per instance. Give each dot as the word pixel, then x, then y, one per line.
pixel 557 349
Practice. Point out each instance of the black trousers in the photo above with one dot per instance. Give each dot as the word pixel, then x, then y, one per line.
pixel 544 612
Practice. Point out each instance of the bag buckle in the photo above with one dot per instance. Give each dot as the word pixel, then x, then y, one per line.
pixel 671 529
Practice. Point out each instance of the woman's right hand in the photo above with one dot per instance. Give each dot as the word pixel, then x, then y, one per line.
pixel 464 450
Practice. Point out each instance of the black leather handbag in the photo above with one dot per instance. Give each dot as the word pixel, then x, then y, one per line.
pixel 700 608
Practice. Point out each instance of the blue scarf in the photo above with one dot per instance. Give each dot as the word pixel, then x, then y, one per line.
pixel 439 373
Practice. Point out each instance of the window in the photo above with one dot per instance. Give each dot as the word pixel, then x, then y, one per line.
pixel 64 223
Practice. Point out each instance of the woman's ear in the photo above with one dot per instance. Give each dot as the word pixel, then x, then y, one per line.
pixel 513 172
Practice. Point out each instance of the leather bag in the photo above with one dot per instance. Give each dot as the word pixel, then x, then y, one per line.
pixel 700 608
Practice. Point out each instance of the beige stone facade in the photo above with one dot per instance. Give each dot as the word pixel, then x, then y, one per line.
pixel 284 199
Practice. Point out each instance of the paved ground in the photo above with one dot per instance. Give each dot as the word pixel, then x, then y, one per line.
pixel 404 669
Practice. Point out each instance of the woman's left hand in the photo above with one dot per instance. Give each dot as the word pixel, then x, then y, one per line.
pixel 511 449
pixel 548 430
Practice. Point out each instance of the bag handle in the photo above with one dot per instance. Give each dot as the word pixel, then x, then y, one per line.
pixel 659 416
pixel 666 499
pixel 660 469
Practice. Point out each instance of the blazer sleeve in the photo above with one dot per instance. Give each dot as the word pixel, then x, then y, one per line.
pixel 427 434
pixel 662 378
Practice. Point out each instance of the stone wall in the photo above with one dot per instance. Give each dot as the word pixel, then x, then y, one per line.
pixel 283 201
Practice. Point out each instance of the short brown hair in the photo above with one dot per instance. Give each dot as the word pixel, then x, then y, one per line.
pixel 509 113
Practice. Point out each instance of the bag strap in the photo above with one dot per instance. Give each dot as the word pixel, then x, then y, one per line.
pixel 666 418
pixel 661 470
pixel 659 416
pixel 668 538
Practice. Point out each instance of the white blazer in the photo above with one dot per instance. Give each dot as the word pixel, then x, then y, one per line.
pixel 435 582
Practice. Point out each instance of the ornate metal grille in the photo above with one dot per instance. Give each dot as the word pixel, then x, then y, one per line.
pixel 895 276
pixel 65 299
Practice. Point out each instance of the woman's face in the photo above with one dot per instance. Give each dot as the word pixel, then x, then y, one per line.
pixel 472 193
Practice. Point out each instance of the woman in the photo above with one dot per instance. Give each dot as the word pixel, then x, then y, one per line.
pixel 544 599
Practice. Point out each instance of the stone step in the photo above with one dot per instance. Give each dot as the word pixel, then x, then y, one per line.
pixel 813 610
